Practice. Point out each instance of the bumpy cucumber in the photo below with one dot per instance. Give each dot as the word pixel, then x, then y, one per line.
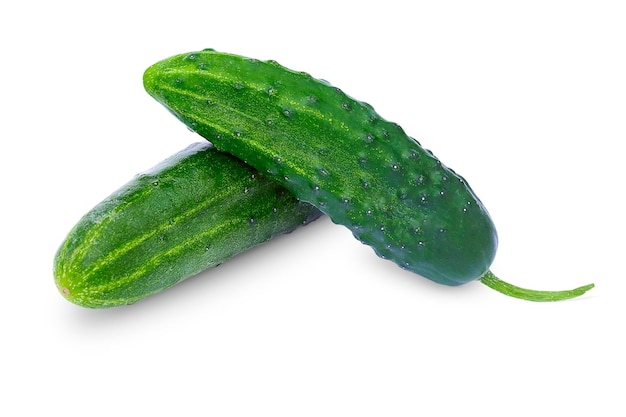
pixel 336 153
pixel 193 211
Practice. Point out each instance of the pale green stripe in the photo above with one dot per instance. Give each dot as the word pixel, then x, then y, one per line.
pixel 258 147
pixel 159 257
pixel 93 268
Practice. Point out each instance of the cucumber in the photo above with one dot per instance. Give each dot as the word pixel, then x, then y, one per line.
pixel 336 153
pixel 191 212
pixel 339 155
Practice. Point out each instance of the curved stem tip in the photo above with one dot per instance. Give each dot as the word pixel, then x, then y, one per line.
pixel 493 282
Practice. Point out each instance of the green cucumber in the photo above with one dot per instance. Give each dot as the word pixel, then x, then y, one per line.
pixel 338 154
pixel 192 211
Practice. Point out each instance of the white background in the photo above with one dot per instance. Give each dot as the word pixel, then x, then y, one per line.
pixel 527 100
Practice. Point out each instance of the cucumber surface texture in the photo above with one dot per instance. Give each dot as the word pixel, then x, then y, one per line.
pixel 335 153
pixel 191 212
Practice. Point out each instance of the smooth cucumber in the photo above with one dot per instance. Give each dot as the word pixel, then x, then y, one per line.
pixel 336 153
pixel 192 211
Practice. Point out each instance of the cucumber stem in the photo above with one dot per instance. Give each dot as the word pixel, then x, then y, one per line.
pixel 493 282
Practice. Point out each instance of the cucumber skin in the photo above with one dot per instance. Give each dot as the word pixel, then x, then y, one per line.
pixel 336 153
pixel 191 212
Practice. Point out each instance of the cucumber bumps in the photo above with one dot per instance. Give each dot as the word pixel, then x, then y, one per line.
pixel 338 154
pixel 193 211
